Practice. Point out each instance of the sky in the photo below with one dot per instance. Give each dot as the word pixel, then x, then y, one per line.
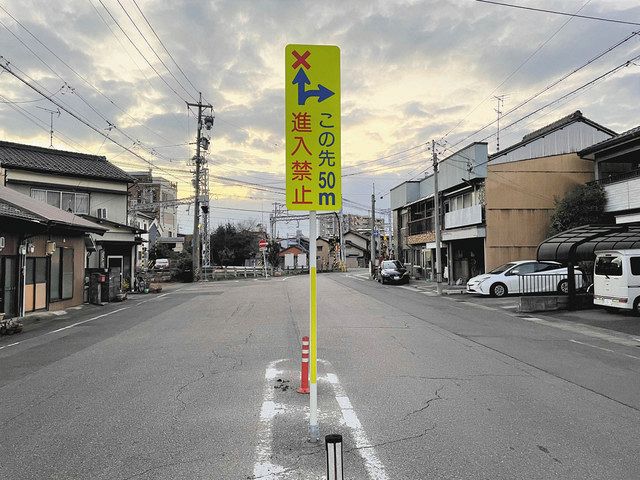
pixel 412 72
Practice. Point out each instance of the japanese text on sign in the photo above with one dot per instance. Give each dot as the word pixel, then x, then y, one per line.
pixel 312 126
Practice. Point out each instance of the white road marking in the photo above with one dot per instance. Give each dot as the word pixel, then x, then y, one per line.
pixel 586 330
pixel 372 463
pixel 605 349
pixel 10 345
pixel 356 277
pixel 263 468
pixel 477 305
pixel 266 470
pixel 411 289
pixel 593 346
pixel 86 321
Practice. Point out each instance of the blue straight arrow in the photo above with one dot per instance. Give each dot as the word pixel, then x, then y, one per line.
pixel 302 80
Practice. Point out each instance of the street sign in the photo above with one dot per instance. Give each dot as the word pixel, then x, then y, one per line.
pixel 262 244
pixel 312 126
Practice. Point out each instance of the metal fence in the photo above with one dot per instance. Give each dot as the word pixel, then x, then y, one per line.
pixel 549 283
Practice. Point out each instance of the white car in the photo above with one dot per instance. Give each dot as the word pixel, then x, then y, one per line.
pixel 524 276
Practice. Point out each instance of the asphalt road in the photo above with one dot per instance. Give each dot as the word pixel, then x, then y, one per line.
pixel 199 383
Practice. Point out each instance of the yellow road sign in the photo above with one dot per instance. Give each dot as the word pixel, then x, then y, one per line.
pixel 312 126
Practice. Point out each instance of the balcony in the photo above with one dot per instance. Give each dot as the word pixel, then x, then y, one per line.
pixel 422 225
pixel 622 194
pixel 465 216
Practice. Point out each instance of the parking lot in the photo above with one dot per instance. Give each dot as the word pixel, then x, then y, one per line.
pixel 621 321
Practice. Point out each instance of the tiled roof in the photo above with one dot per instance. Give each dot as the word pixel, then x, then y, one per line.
pixel 576 116
pixel 9 210
pixel 59 162
pixel 623 137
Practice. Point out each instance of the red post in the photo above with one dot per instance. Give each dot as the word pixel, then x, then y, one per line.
pixel 304 371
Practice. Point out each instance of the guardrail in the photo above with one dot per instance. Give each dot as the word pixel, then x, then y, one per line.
pixel 549 283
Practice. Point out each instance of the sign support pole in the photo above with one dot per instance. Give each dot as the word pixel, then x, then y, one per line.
pixel 314 429
pixel 264 262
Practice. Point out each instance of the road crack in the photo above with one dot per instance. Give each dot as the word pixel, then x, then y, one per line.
pixel 181 391
pixel 426 405
pixel 390 442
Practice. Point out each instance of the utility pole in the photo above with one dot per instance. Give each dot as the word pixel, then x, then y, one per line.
pixel 201 143
pixel 436 218
pixel 373 229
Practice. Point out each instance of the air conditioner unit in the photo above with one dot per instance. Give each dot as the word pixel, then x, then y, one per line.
pixel 102 213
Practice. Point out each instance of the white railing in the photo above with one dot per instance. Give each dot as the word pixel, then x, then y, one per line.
pixel 465 216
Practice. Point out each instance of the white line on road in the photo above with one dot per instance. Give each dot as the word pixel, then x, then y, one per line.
pixel 593 346
pixel 263 468
pixel 593 332
pixel 372 463
pixel 605 349
pixel 86 321
pixel 477 305
pixel 10 345
pixel 357 278
pixel 411 289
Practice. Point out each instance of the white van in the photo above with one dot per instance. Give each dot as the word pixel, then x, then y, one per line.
pixel 616 279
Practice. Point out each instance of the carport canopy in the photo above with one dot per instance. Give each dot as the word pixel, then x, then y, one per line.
pixel 581 243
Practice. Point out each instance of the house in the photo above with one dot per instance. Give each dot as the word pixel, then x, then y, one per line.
pixel 357 250
pixel 617 168
pixel 326 254
pixel 461 187
pixel 42 255
pixel 525 179
pixel 293 257
pixel 329 225
pixel 161 194
pixel 86 185
pixel 496 208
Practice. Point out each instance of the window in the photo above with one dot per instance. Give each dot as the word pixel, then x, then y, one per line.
pixel 523 269
pixel 54 285
pixel 61 286
pixel 609 265
pixel 67 273
pixel 68 201
pixel 635 265
pixel 53 199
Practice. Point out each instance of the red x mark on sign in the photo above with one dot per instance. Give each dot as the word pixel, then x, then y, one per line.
pixel 301 60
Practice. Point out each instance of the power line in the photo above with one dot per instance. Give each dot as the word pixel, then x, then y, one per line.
pixel 164 47
pixel 140 53
pixel 385 157
pixel 550 86
pixel 154 51
pixel 555 12
pixel 78 117
pixel 73 90
pixel 526 60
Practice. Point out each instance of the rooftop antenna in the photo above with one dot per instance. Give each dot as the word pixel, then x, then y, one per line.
pixel 500 99
pixel 51 112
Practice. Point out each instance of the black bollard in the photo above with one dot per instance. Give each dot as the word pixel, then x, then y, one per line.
pixel 333 445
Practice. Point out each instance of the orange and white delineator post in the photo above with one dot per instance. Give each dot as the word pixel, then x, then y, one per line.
pixel 304 370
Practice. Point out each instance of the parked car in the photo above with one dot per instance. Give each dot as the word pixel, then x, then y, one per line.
pixel 616 279
pixel 161 264
pixel 524 276
pixel 392 271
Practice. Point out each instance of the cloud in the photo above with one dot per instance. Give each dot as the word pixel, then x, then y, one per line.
pixel 411 71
